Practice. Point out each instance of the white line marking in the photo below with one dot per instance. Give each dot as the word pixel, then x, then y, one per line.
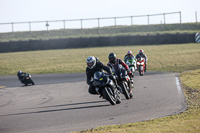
pixel 179 87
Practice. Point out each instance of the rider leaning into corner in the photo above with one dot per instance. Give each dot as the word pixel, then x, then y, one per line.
pixel 141 54
pixel 114 61
pixel 20 75
pixel 94 65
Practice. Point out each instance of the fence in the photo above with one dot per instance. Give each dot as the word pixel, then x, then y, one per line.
pixel 98 21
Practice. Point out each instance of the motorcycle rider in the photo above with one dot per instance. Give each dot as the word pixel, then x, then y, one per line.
pixel 94 65
pixel 128 55
pixel 141 54
pixel 114 61
pixel 20 75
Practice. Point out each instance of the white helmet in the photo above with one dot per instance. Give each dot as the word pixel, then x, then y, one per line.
pixel 91 62
pixel 19 72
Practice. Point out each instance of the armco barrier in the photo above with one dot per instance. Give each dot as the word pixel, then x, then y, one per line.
pixel 31 45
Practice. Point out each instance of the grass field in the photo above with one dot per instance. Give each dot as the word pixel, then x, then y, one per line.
pixel 186 122
pixel 176 58
pixel 103 31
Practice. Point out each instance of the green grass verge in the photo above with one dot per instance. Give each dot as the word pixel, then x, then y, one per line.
pixel 176 58
pixel 104 31
pixel 188 121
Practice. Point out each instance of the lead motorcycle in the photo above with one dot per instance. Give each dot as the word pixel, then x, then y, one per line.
pixel 141 65
pixel 25 78
pixel 123 80
pixel 106 88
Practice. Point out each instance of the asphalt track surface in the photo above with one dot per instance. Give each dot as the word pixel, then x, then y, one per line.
pixel 60 103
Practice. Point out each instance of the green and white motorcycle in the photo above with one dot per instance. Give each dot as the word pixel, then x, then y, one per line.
pixel 131 62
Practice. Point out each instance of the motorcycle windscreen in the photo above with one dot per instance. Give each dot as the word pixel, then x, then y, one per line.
pixel 98 75
pixel 130 60
pixel 100 79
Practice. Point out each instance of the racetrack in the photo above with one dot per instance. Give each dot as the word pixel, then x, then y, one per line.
pixel 60 103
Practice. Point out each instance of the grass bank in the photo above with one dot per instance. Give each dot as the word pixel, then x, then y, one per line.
pixel 176 58
pixel 188 121
pixel 104 31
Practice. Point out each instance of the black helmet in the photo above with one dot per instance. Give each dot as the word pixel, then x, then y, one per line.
pixel 112 57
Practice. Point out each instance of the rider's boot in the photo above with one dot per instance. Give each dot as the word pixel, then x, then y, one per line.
pixel 119 88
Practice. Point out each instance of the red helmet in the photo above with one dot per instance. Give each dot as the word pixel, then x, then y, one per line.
pixel 141 52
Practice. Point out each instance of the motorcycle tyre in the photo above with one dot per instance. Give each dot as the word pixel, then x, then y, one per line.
pixel 140 72
pixel 131 94
pixel 118 99
pixel 32 82
pixel 124 86
pixel 108 96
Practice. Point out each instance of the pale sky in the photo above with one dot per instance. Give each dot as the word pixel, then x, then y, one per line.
pixel 42 10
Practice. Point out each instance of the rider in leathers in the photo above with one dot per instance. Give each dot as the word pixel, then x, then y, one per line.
pixel 21 75
pixel 128 55
pixel 93 65
pixel 141 54
pixel 114 61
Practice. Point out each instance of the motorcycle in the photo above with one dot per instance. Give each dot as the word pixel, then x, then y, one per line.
pixel 141 65
pixel 124 81
pixel 106 88
pixel 131 62
pixel 26 79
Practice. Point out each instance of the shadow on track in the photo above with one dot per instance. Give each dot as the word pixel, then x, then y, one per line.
pixel 69 104
pixel 65 109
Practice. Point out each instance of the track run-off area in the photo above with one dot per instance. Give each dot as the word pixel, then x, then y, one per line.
pixel 61 103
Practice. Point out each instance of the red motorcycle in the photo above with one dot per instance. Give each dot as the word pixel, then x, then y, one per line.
pixel 141 65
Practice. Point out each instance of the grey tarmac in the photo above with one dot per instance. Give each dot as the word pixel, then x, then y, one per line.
pixel 61 103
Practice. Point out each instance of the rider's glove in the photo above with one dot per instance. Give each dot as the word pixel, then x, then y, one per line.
pixel 130 74
pixel 128 71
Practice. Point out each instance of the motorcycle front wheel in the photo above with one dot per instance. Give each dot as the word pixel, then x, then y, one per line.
pixel 109 95
pixel 32 82
pixel 118 98
pixel 125 89
pixel 141 71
